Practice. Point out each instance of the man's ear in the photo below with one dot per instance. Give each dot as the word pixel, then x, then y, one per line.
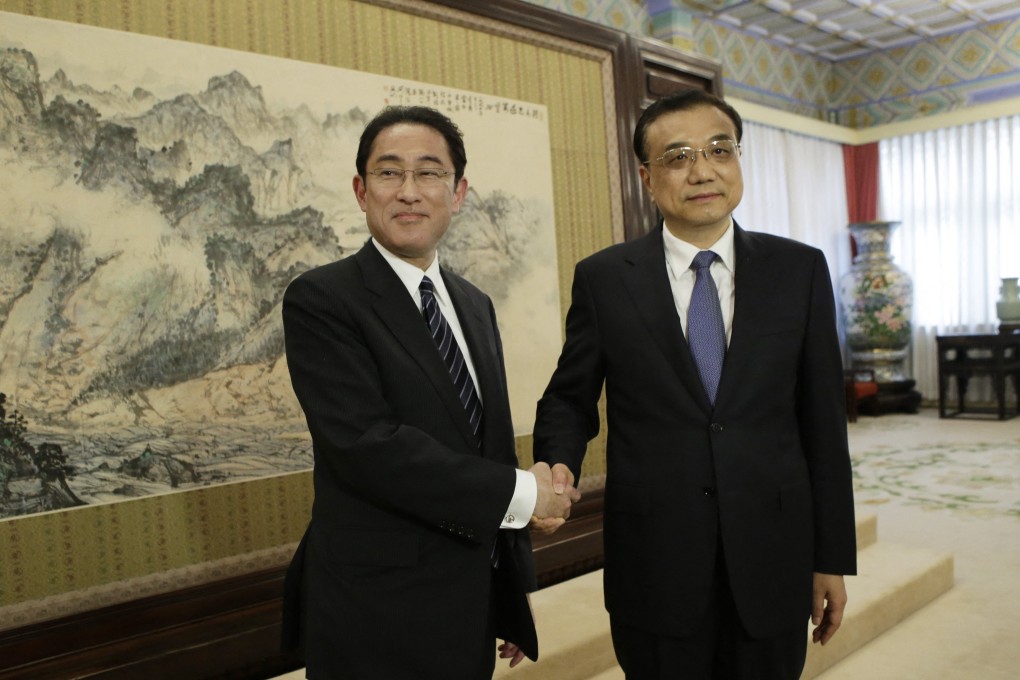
pixel 459 193
pixel 646 177
pixel 359 190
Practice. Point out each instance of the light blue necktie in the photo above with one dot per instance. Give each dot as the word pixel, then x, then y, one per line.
pixel 450 351
pixel 706 333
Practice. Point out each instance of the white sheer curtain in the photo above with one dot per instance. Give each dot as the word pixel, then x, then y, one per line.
pixel 794 186
pixel 957 193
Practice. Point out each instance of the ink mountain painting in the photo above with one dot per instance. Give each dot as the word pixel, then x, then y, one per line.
pixel 148 231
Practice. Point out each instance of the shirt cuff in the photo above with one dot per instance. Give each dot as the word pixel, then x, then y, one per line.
pixel 522 505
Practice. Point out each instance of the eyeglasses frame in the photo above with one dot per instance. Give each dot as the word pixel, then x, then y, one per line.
pixel 441 175
pixel 703 151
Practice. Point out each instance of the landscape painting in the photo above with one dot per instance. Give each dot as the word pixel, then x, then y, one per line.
pixel 157 198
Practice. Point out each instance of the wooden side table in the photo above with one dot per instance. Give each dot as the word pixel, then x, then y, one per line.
pixel 965 356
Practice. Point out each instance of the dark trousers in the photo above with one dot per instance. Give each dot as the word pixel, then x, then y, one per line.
pixel 719 650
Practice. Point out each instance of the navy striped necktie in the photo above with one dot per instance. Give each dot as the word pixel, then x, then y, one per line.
pixel 451 354
pixel 706 332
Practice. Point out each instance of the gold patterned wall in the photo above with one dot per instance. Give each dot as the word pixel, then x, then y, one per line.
pixel 140 541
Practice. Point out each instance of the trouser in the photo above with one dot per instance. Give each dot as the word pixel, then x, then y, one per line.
pixel 720 648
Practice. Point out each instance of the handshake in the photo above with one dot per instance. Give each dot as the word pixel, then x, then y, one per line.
pixel 556 494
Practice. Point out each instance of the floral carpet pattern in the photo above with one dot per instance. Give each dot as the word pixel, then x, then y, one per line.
pixel 921 461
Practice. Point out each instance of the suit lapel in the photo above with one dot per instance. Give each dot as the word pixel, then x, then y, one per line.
pixel 396 309
pixel 474 324
pixel 480 337
pixel 754 283
pixel 647 282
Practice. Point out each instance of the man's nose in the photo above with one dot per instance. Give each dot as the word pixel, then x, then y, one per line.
pixel 408 187
pixel 702 167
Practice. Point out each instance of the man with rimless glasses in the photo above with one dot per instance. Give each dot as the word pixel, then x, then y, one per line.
pixel 729 515
pixel 417 557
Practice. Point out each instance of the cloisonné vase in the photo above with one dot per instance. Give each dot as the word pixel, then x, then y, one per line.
pixel 876 297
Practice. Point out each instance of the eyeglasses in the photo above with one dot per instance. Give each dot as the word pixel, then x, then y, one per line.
pixel 719 152
pixel 394 177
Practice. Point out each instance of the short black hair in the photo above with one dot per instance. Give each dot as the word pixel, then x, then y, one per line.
pixel 684 100
pixel 414 115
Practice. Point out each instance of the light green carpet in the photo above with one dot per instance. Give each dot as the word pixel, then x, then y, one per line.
pixel 952 485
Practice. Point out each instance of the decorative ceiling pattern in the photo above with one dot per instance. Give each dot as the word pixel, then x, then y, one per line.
pixel 857 63
pixel 918 78
pixel 843 29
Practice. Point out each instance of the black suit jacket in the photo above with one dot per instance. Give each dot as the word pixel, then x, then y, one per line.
pixel 394 577
pixel 767 469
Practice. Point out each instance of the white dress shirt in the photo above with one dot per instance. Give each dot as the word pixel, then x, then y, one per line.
pixel 525 497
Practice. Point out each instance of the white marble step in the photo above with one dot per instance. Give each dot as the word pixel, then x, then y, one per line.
pixel 893 582
pixel 573 633
pixel 573 626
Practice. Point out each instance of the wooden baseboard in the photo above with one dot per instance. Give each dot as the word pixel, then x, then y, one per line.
pixel 228 628
pixel 225 629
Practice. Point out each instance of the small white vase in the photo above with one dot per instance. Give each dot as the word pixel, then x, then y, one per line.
pixel 1008 306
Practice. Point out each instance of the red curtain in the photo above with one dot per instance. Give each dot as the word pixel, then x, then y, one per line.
pixel 860 164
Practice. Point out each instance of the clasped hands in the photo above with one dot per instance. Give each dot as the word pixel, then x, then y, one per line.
pixel 556 495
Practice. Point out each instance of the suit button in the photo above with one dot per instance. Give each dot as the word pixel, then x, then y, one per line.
pixel 708 491
pixel 717 427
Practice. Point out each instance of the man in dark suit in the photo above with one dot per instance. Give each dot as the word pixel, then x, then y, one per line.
pixel 417 556
pixel 729 508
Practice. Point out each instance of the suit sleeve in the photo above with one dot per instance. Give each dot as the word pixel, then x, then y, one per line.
pixel 360 428
pixel 567 417
pixel 822 421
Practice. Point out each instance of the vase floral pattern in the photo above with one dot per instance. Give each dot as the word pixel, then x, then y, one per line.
pixel 876 297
